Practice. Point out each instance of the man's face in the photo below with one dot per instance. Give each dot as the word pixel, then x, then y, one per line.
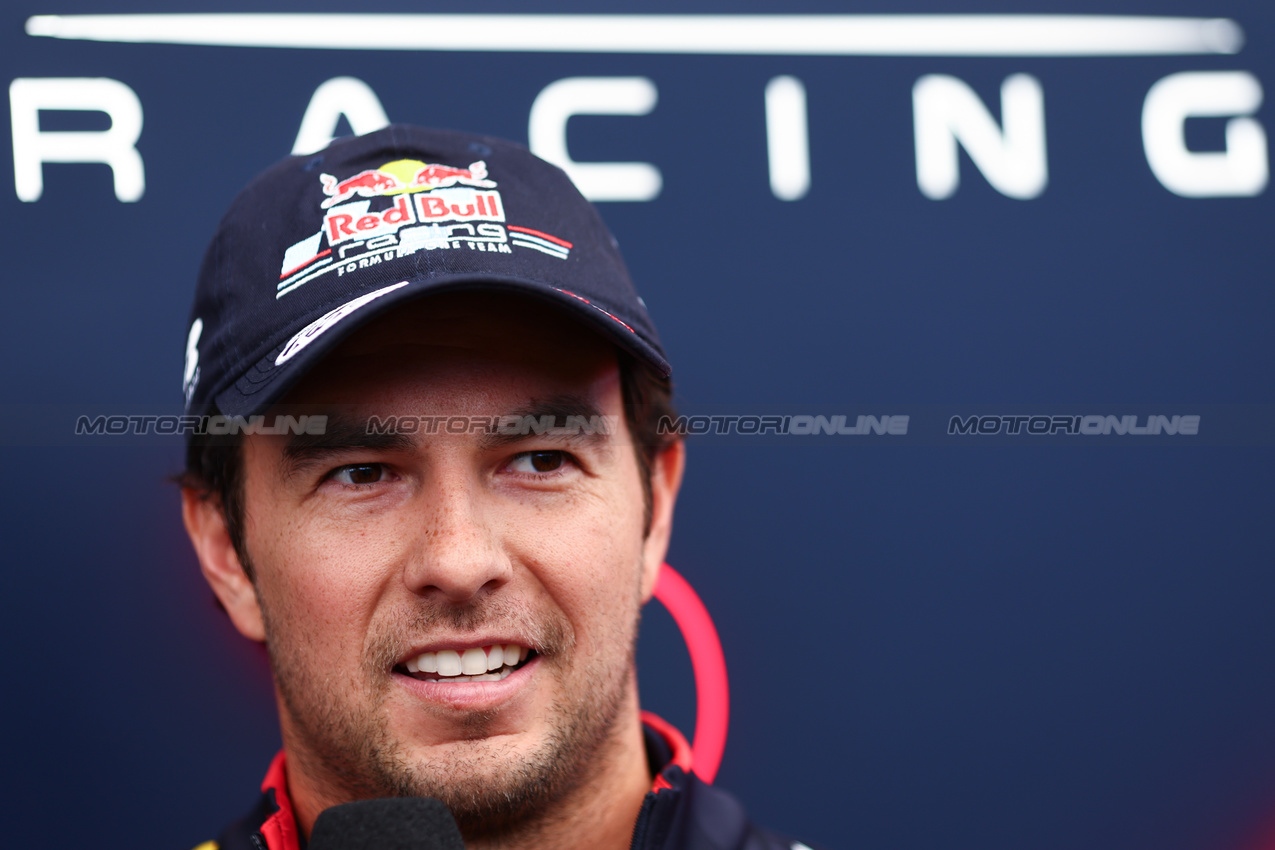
pixel 379 567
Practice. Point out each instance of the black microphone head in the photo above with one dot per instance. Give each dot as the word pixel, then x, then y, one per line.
pixel 395 823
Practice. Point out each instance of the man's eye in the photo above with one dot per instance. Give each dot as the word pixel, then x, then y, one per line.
pixel 359 473
pixel 533 462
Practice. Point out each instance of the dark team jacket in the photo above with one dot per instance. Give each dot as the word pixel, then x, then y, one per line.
pixel 681 812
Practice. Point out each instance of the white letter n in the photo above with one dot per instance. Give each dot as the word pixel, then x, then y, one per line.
pixel 947 111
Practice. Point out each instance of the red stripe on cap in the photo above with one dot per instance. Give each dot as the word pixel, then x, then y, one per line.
pixel 564 243
pixel 596 307
pixel 280 829
pixel 306 263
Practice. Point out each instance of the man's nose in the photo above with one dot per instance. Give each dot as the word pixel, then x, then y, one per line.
pixel 457 553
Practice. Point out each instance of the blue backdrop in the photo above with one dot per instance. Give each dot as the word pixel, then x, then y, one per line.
pixel 935 638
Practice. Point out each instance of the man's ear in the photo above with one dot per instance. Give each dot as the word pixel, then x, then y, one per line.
pixel 666 480
pixel 206 525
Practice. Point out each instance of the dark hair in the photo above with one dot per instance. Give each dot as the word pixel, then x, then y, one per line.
pixel 214 463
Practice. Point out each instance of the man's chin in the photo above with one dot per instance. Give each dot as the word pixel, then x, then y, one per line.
pixel 493 786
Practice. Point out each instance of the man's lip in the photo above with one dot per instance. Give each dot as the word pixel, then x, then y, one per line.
pixel 473 695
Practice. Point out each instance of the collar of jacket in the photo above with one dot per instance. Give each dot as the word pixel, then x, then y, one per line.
pixel 272 825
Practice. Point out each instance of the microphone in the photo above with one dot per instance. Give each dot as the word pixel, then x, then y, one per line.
pixel 395 823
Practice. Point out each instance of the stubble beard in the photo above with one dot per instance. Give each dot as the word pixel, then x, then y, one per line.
pixel 493 793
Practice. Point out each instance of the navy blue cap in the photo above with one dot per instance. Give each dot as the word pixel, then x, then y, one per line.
pixel 318 245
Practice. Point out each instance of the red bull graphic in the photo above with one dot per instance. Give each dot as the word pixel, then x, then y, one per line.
pixel 355 221
pixel 403 175
pixel 464 206
pixel 365 184
pixel 437 176
pixel 370 219
pixel 347 223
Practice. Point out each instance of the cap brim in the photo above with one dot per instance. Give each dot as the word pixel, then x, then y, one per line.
pixel 268 380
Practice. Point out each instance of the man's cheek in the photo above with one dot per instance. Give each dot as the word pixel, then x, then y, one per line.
pixel 303 613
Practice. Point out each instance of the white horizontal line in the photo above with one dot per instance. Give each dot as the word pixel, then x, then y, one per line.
pixel 540 245
pixel 528 237
pixel 809 35
pixel 287 282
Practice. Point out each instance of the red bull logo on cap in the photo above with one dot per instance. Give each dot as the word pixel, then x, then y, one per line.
pixel 405 206
pixel 403 175
pixel 353 221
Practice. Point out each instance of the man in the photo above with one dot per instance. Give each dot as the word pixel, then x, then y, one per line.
pixel 437 495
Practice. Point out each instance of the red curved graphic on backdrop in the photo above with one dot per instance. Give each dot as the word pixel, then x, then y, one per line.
pixel 712 693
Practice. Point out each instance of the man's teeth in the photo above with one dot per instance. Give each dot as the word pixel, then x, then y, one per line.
pixel 485 664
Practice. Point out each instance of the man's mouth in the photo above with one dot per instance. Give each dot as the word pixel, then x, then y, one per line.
pixel 476 664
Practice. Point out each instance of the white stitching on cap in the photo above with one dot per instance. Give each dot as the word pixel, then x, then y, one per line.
pixel 311 331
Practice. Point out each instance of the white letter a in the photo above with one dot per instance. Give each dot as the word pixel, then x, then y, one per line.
pixel 339 96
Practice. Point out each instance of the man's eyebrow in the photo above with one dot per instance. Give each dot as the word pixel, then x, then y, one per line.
pixel 563 417
pixel 342 433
